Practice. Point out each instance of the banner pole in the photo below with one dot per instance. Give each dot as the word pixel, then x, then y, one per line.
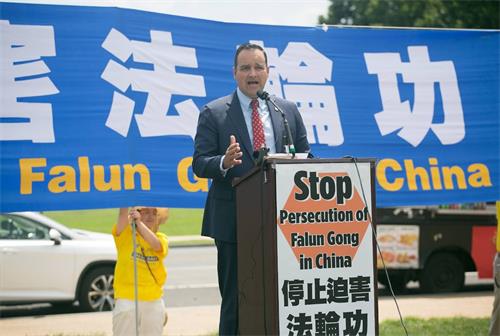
pixel 136 301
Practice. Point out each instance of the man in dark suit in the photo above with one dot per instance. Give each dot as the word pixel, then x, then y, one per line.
pixel 229 130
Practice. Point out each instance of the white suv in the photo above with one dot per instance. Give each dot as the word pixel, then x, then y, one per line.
pixel 44 261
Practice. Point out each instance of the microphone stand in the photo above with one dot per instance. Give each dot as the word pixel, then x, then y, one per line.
pixel 287 137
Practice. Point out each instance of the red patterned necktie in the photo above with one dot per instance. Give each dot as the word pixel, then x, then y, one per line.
pixel 257 127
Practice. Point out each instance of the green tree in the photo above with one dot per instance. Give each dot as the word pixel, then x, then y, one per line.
pixel 483 14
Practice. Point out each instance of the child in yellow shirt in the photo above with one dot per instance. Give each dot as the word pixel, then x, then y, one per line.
pixel 151 250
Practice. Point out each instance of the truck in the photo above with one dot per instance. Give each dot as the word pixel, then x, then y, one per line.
pixel 435 245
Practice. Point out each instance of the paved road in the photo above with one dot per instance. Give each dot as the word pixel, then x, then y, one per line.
pixel 192 277
pixel 202 320
pixel 193 303
pixel 192 281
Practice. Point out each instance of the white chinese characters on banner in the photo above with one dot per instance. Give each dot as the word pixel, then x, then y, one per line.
pixel 160 84
pixel 306 72
pixel 22 47
pixel 414 123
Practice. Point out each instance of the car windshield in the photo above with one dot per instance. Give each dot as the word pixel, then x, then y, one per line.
pixel 18 227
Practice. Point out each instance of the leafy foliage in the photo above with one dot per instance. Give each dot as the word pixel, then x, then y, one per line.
pixel 483 14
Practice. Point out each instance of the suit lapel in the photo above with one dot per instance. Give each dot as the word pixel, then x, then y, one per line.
pixel 278 127
pixel 235 114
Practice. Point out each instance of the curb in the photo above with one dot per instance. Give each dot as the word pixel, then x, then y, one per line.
pixel 189 241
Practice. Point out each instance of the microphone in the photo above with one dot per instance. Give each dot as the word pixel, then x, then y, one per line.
pixel 287 137
pixel 263 94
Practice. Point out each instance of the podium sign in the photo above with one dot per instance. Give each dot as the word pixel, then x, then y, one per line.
pixel 325 249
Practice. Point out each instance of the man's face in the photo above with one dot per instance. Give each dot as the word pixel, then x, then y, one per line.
pixel 251 71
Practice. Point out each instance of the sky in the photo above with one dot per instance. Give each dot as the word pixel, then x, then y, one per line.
pixel 274 12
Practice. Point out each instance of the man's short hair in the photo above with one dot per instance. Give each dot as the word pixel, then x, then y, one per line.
pixel 248 46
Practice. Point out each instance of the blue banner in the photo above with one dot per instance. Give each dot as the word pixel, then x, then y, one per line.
pixel 99 106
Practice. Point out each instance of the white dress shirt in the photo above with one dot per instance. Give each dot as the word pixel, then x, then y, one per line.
pixel 264 116
pixel 267 123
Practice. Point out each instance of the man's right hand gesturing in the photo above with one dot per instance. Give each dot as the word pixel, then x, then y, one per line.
pixel 233 154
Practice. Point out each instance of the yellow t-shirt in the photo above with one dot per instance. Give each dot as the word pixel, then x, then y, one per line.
pixel 147 288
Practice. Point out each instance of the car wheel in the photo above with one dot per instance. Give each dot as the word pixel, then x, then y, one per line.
pixel 96 292
pixel 443 273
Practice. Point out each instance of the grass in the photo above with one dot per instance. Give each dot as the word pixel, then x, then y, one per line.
pixel 455 326
pixel 181 221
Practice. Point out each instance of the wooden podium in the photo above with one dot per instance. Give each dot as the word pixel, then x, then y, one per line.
pixel 306 257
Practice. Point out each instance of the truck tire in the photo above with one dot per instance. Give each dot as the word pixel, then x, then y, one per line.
pixel 96 292
pixel 442 273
